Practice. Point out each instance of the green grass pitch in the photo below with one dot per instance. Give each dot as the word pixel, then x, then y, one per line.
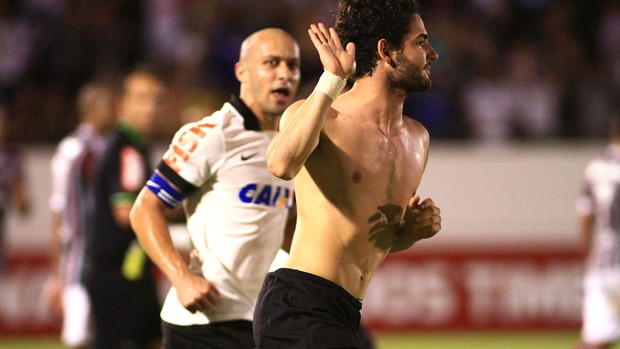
pixel 415 340
pixel 478 340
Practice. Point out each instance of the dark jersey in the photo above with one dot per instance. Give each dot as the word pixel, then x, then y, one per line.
pixel 118 276
pixel 119 175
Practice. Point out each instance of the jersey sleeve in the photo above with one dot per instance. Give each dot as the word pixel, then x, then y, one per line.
pixel 192 157
pixel 60 167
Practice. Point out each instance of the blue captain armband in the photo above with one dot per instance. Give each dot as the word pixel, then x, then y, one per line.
pixel 170 196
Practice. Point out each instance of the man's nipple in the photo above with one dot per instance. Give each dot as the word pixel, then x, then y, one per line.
pixel 357 177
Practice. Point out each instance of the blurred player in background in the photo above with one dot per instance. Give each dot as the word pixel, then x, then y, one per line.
pixel 13 191
pixel 357 163
pixel 119 277
pixel 598 210
pixel 236 210
pixel 75 153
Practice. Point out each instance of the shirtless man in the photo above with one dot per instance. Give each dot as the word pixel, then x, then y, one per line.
pixel 357 163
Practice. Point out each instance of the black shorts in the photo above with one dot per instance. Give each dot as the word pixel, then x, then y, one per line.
pixel 125 313
pixel 298 310
pixel 219 335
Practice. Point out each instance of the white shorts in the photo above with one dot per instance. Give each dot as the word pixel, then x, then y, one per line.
pixel 601 308
pixel 76 326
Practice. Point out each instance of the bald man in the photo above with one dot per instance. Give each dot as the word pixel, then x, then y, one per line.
pixel 236 209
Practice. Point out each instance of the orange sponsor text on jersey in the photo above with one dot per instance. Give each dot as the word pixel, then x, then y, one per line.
pixel 186 144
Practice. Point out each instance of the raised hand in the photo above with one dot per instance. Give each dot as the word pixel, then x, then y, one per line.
pixel 334 57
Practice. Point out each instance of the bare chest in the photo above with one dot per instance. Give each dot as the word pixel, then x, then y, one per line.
pixel 371 164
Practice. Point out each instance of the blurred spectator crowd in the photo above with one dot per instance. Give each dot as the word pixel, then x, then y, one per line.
pixel 507 69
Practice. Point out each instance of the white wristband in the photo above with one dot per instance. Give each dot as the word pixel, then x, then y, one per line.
pixel 330 84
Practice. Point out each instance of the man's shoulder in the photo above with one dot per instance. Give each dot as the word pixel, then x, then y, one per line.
pixel 206 130
pixel 218 121
pixel 415 127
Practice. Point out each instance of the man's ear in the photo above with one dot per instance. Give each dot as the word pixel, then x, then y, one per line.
pixel 240 71
pixel 384 49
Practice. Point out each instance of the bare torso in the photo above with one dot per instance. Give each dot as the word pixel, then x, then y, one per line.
pixel 352 193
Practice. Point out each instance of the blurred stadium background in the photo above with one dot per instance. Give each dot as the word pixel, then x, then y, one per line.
pixel 522 93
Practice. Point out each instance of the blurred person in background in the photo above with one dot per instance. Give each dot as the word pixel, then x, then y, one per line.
pixel 598 210
pixel 118 276
pixel 608 39
pixel 236 210
pixel 513 97
pixel 71 184
pixel 16 47
pixel 13 186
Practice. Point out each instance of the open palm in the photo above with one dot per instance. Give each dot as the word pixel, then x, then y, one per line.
pixel 335 59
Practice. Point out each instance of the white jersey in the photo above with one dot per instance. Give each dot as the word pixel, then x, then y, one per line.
pixel 601 198
pixel 236 209
pixel 64 199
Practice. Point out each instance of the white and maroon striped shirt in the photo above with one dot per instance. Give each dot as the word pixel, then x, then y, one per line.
pixel 600 197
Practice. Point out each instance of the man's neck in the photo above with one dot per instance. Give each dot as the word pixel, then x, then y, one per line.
pixel 379 103
pixel 266 122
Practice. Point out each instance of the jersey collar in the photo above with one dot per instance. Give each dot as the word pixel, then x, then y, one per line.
pixel 249 119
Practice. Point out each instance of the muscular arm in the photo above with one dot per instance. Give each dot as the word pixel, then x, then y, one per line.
pixel 52 291
pixel 148 220
pixel 121 215
pixel 301 124
pixel 300 128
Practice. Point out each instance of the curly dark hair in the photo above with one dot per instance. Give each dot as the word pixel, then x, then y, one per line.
pixel 365 22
